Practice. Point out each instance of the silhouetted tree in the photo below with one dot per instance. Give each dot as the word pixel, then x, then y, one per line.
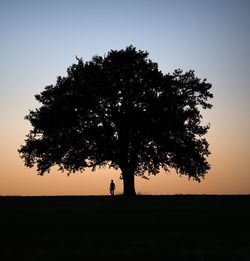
pixel 123 112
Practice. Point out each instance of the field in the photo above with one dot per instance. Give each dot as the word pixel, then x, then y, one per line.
pixel 181 227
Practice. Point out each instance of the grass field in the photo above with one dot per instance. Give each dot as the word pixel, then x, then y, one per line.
pixel 182 227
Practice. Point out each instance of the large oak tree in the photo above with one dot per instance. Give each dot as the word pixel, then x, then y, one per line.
pixel 122 111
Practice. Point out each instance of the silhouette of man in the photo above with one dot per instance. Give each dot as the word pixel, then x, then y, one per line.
pixel 112 188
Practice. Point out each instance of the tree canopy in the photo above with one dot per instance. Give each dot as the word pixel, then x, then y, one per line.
pixel 121 111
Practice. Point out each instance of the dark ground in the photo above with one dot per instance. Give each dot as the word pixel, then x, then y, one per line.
pixel 118 228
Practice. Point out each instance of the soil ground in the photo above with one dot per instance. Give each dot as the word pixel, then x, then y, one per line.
pixel 181 227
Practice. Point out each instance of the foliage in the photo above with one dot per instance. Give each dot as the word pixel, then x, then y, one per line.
pixel 121 111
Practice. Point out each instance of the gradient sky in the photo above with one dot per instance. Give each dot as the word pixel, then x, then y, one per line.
pixel 39 41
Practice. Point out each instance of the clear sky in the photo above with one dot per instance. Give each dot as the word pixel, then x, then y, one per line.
pixel 40 38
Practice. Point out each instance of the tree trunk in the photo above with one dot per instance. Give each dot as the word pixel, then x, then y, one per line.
pixel 128 183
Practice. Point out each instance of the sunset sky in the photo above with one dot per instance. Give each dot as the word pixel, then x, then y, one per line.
pixel 40 39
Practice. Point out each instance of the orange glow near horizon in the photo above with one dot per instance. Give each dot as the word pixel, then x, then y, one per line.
pixel 16 179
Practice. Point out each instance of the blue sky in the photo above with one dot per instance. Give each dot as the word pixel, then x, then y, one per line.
pixel 39 40
pixel 43 37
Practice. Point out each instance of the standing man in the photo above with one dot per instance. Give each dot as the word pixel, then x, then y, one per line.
pixel 112 188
